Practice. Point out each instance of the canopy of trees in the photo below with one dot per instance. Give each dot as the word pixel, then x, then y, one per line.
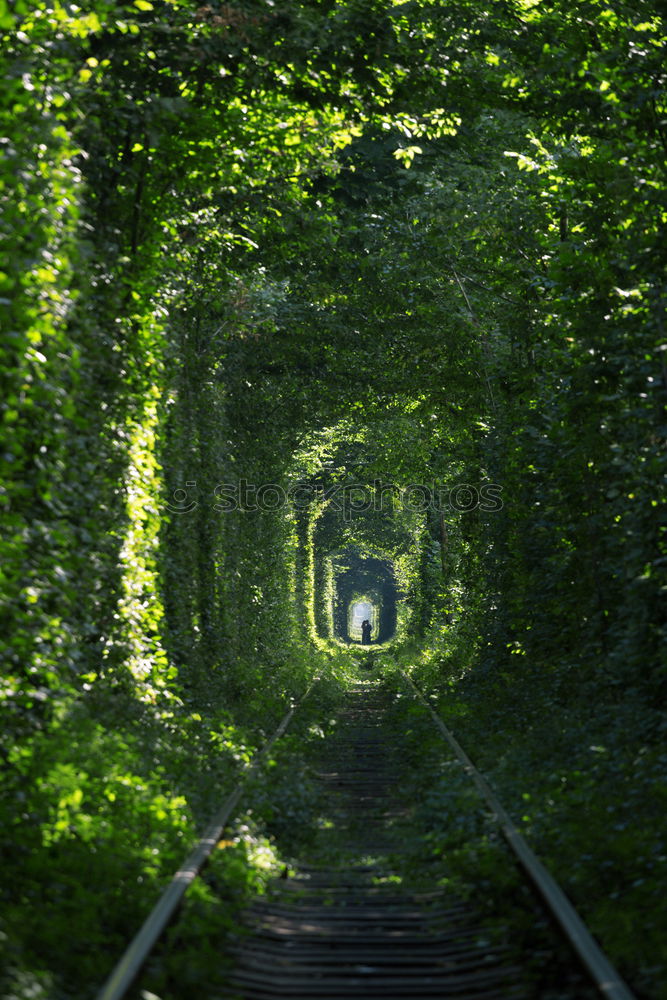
pixel 306 247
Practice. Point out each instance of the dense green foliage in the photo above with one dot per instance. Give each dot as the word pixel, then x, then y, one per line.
pixel 311 246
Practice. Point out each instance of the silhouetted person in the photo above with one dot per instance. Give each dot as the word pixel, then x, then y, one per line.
pixel 365 631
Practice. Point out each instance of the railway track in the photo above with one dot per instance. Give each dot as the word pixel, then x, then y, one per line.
pixel 349 920
pixel 344 925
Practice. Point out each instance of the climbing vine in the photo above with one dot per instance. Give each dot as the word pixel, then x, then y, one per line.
pixel 256 253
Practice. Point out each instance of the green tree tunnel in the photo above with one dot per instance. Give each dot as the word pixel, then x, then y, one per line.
pixel 306 304
pixel 369 585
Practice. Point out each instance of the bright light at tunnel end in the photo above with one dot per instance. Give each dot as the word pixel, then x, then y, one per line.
pixel 360 611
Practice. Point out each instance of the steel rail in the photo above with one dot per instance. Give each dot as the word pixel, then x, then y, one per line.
pixel 605 977
pixel 129 965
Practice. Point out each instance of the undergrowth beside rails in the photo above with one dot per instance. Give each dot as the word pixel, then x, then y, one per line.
pixel 110 800
pixel 582 773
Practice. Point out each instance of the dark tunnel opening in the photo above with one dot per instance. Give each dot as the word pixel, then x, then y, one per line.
pixel 365 587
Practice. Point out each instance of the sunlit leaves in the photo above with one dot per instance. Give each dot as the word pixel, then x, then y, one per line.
pixel 216 260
